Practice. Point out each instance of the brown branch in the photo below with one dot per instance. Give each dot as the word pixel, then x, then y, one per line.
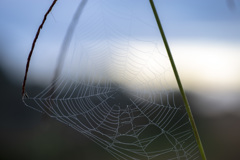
pixel 33 45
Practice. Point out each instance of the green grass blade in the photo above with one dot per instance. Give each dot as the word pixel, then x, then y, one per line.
pixel 178 81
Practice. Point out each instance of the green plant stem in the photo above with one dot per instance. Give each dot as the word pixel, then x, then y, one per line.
pixel 178 81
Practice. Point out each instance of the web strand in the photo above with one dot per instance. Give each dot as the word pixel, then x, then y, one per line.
pixel 115 85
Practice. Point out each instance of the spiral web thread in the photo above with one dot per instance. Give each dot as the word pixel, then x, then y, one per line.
pixel 116 87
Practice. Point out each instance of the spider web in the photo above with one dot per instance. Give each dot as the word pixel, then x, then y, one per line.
pixel 115 84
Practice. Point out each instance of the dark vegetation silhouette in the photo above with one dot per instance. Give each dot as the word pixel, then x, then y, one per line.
pixel 25 134
pixel 16 131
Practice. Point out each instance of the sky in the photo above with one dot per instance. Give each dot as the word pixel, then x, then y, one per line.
pixel 204 36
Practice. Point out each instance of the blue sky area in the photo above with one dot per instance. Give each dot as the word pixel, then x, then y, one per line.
pixel 204 35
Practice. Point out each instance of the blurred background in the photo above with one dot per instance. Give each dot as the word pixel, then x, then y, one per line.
pixel 204 37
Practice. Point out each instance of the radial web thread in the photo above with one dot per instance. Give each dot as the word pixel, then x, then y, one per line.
pixel 116 85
